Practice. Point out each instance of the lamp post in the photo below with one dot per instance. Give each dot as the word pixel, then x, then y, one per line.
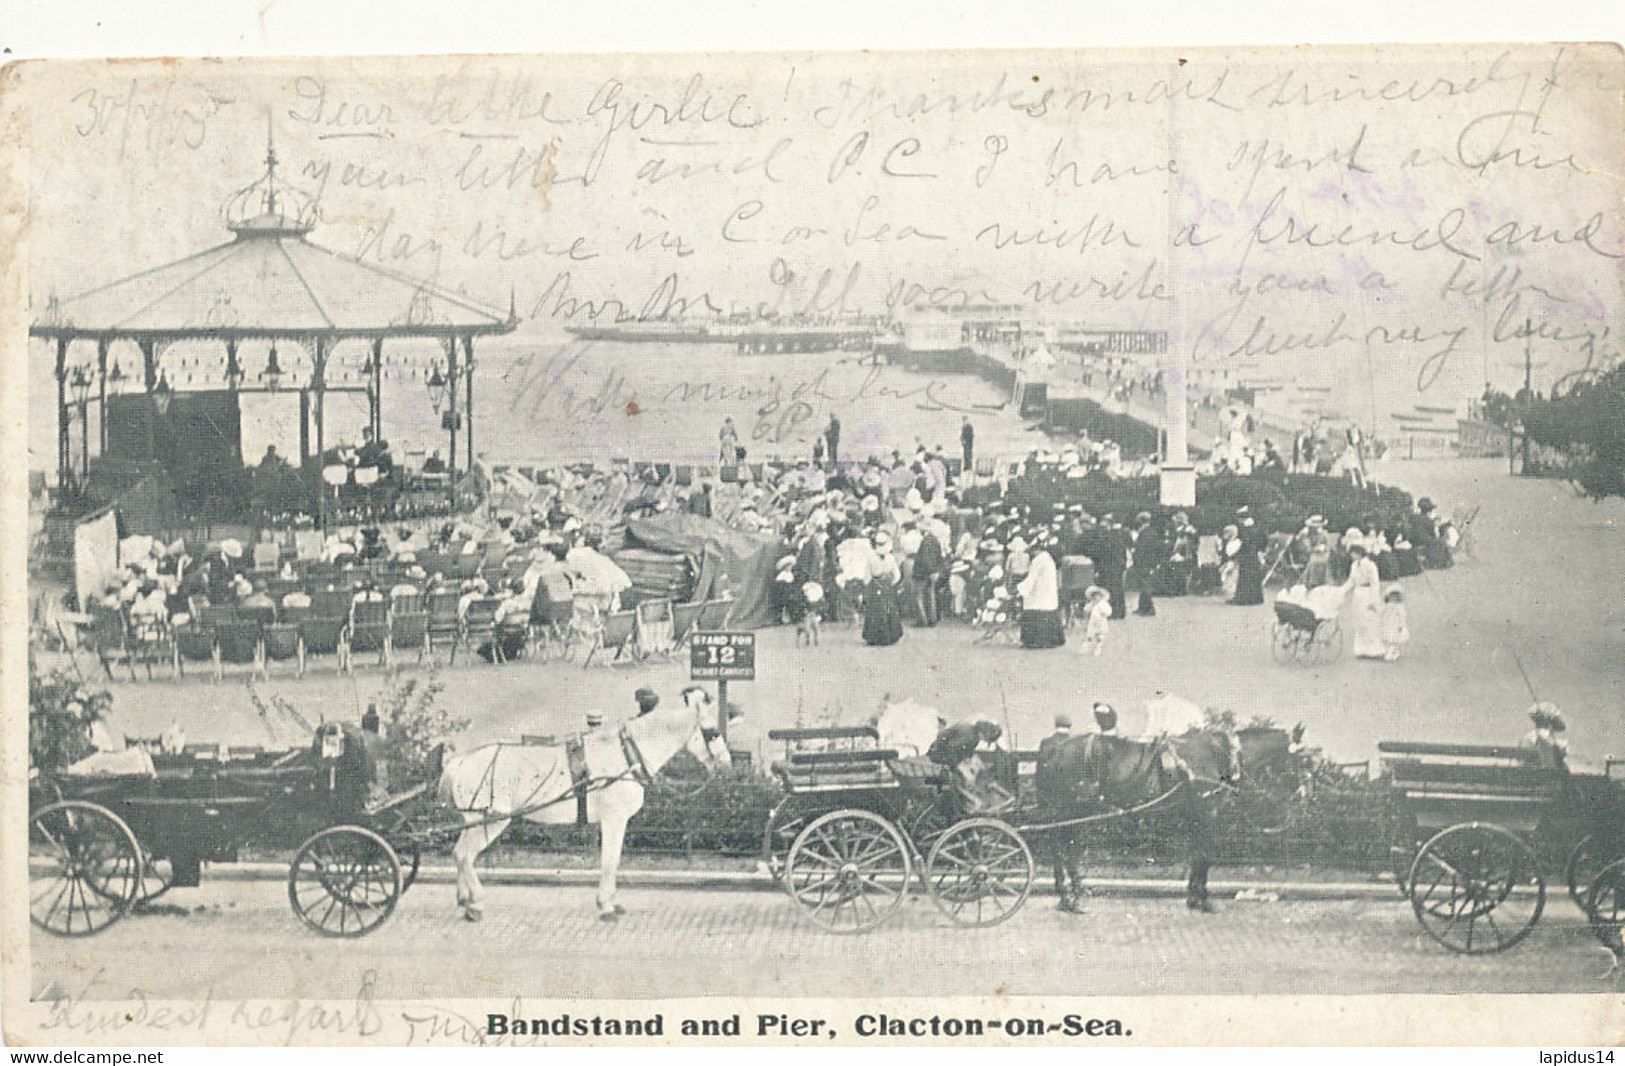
pixel 162 393
pixel 443 393
pixel 272 374
pixel 234 369
pixel 80 384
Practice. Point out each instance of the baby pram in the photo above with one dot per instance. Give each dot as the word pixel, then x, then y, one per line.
pixel 1306 630
pixel 998 620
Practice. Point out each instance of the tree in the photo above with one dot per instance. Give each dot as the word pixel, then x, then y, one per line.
pixel 1587 424
pixel 414 726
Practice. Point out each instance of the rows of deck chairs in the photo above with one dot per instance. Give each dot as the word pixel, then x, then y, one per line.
pixel 339 630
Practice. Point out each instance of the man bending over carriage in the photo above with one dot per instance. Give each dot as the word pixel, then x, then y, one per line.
pixel 957 748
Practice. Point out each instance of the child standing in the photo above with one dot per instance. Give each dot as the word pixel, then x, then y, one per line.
pixel 1097 613
pixel 1393 624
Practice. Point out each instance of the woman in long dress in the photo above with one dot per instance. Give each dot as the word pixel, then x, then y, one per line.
pixel 1250 566
pixel 882 610
pixel 1229 561
pixel 1365 598
pixel 1040 605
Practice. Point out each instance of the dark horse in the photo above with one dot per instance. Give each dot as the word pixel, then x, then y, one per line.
pixel 1183 777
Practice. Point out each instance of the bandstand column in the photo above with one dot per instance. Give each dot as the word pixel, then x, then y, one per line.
pixel 375 395
pixel 451 407
pixel 149 376
pixel 318 383
pixel 64 467
pixel 468 397
pixel 101 401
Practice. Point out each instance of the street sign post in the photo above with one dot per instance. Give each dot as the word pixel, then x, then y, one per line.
pixel 722 656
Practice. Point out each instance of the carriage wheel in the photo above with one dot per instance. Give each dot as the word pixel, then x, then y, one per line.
pixel 979 872
pixel 784 824
pixel 848 870
pixel 1326 645
pixel 1585 862
pixel 1476 889
pixel 345 881
pixel 411 856
pixel 1605 906
pixel 157 875
pixel 84 868
pixel 1284 643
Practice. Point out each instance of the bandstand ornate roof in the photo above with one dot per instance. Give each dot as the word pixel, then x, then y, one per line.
pixel 270 280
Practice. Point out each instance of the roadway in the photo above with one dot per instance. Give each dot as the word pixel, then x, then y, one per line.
pixel 233 939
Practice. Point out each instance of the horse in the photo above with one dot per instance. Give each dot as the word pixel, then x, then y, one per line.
pixel 492 785
pixel 1095 774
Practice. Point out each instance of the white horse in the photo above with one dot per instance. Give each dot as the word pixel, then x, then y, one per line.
pixel 492 785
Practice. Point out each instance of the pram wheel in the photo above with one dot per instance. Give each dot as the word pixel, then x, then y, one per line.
pixel 1325 644
pixel 1284 642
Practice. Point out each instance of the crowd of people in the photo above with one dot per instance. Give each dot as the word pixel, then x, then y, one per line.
pixel 886 542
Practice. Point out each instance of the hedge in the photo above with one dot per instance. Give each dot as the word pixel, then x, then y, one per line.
pixel 1280 502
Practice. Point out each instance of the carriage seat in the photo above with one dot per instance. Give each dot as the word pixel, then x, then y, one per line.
pixel 832 771
pixel 132 761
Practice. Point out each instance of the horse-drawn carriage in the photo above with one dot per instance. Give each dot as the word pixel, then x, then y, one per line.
pixel 857 821
pixel 102 844
pixel 1485 821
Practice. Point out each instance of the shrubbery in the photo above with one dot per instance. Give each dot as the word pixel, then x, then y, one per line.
pixel 61 710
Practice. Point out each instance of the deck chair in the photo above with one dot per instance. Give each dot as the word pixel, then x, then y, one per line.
pixel 324 635
pixel 148 641
pixel 479 627
pixel 619 631
pixel 195 644
pixel 514 626
pixel 716 614
pixel 278 587
pixel 586 622
pixel 408 631
pixel 984 467
pixel 267 557
pixel 307 544
pixel 369 628
pixel 109 639
pixel 684 620
pixel 212 615
pixel 263 615
pixel 279 642
pixel 239 642
pixel 656 628
pixel 442 623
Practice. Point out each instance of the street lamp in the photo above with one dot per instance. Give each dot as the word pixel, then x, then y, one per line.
pixel 234 369
pixel 272 374
pixel 437 388
pixel 80 384
pixel 116 378
pixel 162 393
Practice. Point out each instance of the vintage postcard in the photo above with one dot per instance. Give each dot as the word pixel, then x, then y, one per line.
pixel 1073 547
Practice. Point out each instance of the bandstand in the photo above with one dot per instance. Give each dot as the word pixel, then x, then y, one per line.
pixel 165 354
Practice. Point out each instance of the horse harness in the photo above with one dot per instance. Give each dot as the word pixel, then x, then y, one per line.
pixel 581 780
